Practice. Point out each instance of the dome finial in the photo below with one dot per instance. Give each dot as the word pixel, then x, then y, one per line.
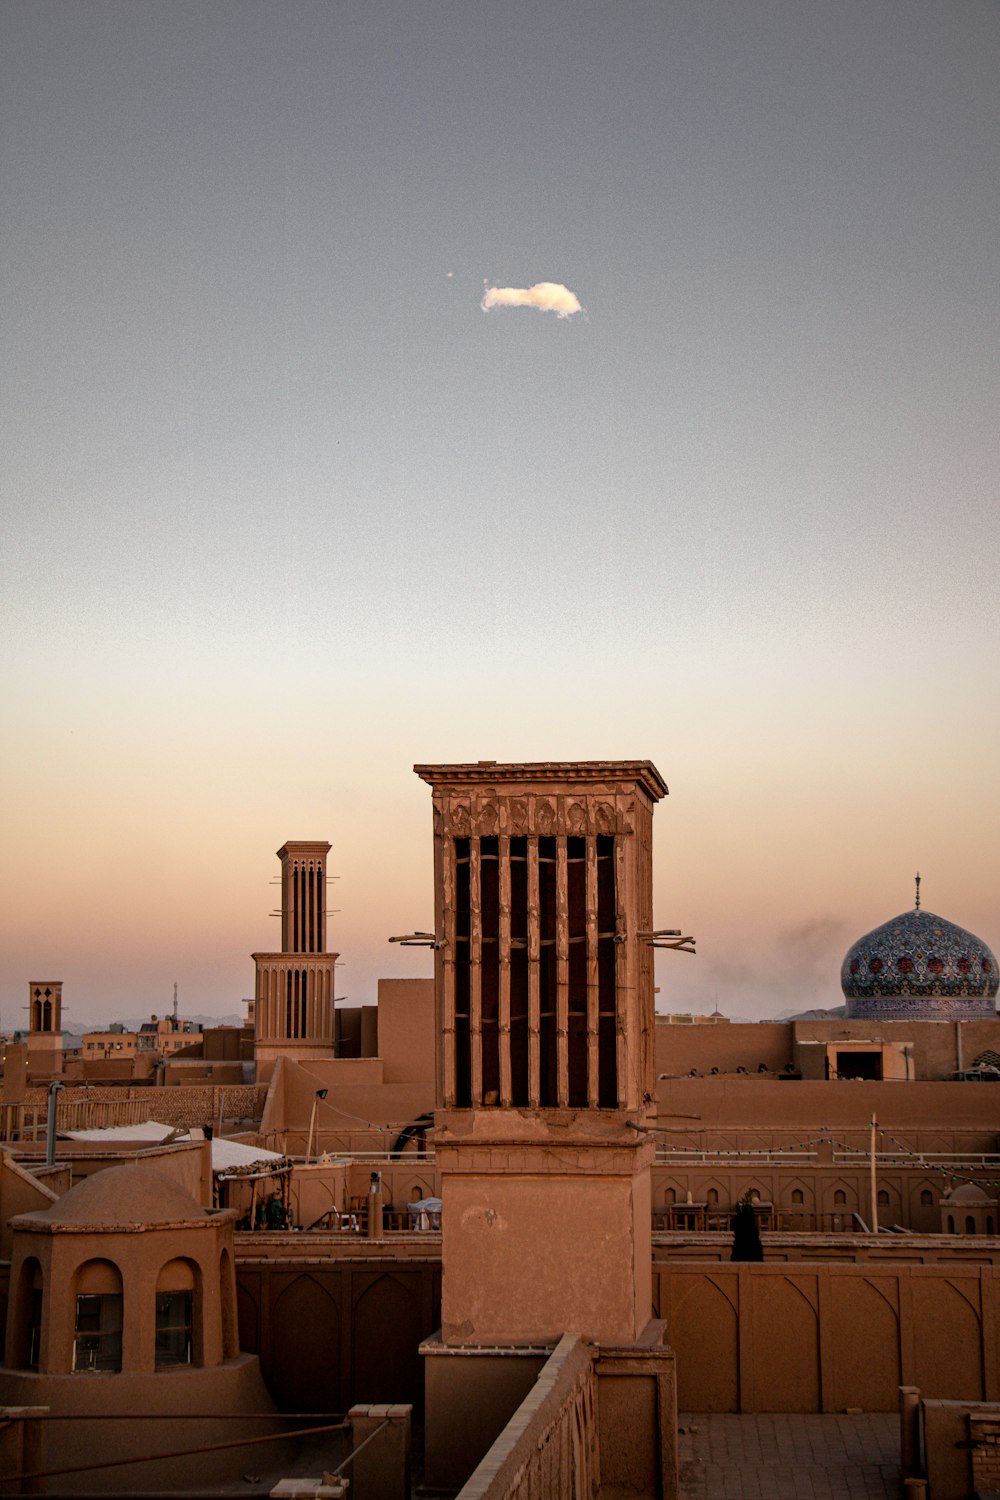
pixel 917 907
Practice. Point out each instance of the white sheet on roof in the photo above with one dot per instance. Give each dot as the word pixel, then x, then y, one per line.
pixel 226 1155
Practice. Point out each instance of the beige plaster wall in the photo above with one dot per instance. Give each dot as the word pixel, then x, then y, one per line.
pixel 20 1193
pixel 707 1110
pixel 815 1338
pixel 527 1258
pixel 406 1032
pixel 317 1187
pixel 726 1046
pixel 15 1073
pixel 361 1111
pixel 470 1398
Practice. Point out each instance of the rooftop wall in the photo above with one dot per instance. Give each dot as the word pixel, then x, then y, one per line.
pixel 758 1338
pixel 360 1112
pixel 760 1105
pixel 939 1048
pixel 726 1046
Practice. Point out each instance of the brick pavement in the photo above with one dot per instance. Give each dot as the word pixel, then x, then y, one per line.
pixel 789 1457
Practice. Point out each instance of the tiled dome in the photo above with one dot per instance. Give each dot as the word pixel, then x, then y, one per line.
pixel 919 965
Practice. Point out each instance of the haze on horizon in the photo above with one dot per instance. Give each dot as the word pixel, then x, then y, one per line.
pixel 285 511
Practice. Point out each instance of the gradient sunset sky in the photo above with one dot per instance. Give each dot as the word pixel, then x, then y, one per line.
pixel 285 510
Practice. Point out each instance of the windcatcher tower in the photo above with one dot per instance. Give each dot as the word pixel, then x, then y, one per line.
pixel 545 1016
pixel 294 990
pixel 45 1038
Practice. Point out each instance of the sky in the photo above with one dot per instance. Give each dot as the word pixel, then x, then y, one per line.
pixel 286 510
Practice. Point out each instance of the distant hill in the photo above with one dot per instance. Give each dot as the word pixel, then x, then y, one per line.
pixel 132 1023
pixel 836 1012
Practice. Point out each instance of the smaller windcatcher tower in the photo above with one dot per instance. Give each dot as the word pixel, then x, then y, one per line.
pixel 294 991
pixel 45 1038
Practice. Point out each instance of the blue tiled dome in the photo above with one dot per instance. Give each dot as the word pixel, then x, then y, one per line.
pixel 919 965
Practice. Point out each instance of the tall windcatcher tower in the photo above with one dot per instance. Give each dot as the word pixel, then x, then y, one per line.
pixel 545 1016
pixel 294 991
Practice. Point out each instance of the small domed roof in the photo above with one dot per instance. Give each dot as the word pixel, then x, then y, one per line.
pixel 919 954
pixel 125 1197
pixel 969 1192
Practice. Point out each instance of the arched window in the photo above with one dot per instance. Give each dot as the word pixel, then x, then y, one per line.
pixel 669 1196
pixel 97 1332
pixel 883 1198
pixel 712 1196
pixel 970 1224
pixel 797 1195
pixel 926 1198
pixel 840 1197
pixel 951 1223
pixel 175 1313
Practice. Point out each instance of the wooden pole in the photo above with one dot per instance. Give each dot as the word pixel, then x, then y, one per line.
pixel 874 1182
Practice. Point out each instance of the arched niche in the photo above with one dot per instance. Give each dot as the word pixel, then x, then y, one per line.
pixel 303 1352
pixel 387 1331
pixel 180 1314
pixel 97 1303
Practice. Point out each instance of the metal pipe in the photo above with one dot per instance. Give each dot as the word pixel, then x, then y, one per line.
pixel 50 1129
pixel 873 1175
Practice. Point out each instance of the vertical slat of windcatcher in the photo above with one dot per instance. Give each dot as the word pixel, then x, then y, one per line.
pixel 448 958
pixel 534 951
pixel 504 1026
pixel 476 970
pixel 593 1022
pixel 622 951
pixel 562 972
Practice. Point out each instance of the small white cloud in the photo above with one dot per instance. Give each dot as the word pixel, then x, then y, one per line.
pixel 546 296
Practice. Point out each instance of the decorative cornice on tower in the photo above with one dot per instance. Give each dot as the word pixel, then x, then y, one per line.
pixel 575 772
